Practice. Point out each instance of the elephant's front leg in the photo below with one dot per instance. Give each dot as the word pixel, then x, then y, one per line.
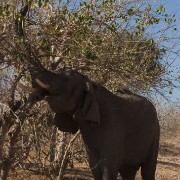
pixel 95 166
pixel 103 169
pixel 109 169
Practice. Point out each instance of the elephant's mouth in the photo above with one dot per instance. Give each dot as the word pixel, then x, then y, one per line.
pixel 56 103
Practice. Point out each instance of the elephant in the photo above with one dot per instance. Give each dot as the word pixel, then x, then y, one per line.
pixel 120 131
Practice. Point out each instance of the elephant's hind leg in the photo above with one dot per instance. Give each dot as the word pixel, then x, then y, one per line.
pixel 148 168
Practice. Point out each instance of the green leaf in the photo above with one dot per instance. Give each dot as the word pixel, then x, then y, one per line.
pixel 148 8
pixel 161 9
pixel 83 3
pixel 130 11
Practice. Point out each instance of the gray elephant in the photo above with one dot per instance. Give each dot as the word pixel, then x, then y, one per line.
pixel 121 132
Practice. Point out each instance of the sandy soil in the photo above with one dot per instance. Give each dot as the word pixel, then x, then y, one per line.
pixel 169 157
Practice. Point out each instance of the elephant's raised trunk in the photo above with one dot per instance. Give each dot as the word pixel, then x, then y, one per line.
pixel 28 56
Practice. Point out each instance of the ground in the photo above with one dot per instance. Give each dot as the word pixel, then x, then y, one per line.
pixel 168 167
pixel 169 157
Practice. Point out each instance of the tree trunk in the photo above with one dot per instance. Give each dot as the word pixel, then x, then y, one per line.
pixel 64 157
pixel 61 160
pixel 1 145
pixel 9 137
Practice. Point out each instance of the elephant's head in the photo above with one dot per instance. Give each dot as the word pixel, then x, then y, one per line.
pixel 67 93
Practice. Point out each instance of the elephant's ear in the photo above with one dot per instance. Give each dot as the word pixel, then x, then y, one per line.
pixel 65 123
pixel 90 108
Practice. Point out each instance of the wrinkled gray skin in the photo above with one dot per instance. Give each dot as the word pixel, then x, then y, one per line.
pixel 121 132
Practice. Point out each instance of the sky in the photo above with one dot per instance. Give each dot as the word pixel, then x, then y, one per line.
pixel 174 6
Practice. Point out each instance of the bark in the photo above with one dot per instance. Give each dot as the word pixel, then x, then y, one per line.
pixel 64 156
pixel 9 138
pixel 61 143
pixel 1 146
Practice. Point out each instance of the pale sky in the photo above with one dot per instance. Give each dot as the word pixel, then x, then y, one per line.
pixel 174 6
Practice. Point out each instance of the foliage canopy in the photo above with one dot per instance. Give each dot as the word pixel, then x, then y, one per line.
pixel 113 42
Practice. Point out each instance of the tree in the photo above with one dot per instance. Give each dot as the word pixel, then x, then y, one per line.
pixel 108 39
pixel 113 42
